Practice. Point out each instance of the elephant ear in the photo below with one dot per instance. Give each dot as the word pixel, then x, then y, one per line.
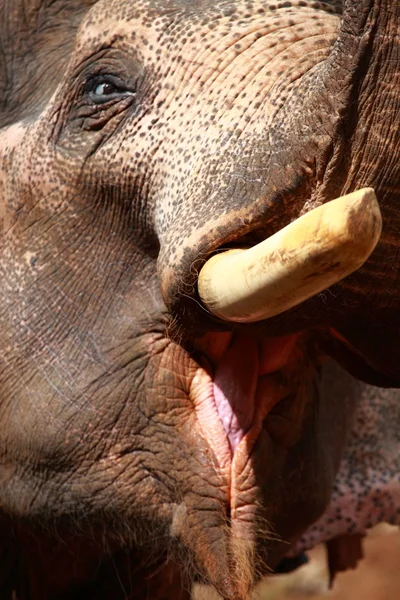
pixel 36 37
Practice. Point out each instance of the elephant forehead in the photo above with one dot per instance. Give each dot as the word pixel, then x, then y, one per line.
pixel 217 74
pixel 186 23
pixel 145 20
pixel 147 11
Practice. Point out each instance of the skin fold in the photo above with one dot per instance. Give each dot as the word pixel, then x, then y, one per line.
pixel 137 138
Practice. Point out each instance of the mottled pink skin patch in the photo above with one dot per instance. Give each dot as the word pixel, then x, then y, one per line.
pixel 367 487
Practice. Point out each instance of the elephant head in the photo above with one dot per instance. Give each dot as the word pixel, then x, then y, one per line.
pixel 138 139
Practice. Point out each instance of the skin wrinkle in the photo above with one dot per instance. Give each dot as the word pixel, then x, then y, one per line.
pixel 99 330
pixel 242 129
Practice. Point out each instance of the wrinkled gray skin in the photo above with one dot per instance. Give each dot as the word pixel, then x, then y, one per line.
pixel 136 138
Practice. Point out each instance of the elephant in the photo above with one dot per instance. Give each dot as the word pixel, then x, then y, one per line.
pixel 146 442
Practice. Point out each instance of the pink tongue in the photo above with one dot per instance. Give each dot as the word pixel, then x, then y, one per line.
pixel 235 384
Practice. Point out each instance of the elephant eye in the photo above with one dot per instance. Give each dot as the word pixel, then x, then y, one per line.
pixel 103 88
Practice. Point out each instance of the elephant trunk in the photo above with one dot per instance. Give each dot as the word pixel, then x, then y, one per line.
pixel 330 131
pixel 363 70
pixel 349 120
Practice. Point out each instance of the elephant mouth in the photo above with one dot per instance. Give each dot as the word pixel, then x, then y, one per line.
pixel 242 378
pixel 240 381
pixel 259 400
pixel 242 391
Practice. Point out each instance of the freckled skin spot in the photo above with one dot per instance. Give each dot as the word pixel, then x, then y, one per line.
pixel 137 138
pixel 373 448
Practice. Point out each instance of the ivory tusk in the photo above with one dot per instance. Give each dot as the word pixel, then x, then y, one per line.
pixel 309 255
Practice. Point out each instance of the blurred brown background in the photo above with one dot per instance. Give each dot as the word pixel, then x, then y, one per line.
pixel 376 577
